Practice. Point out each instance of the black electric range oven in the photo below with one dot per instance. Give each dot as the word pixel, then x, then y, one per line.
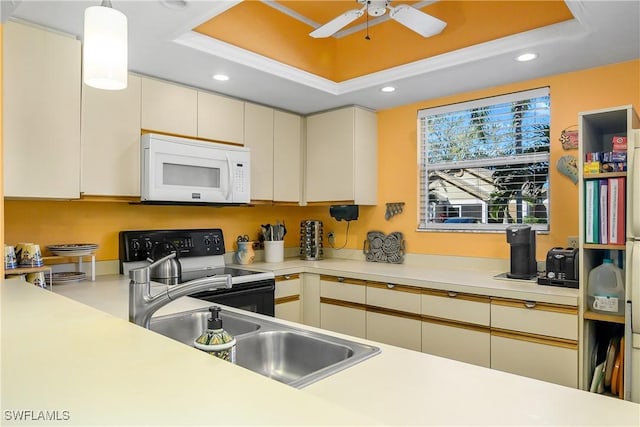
pixel 200 253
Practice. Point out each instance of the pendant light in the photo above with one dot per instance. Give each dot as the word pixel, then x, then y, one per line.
pixel 105 49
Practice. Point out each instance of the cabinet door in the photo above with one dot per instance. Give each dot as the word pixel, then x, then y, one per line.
pixel 345 319
pixel 365 170
pixel 169 108
pixel 287 298
pixel 220 118
pixel 330 156
pixel 458 342
pixel 259 138
pixel 343 289
pixel 311 299
pixel 545 360
pixel 394 329
pixel 287 157
pixel 111 140
pixel 41 113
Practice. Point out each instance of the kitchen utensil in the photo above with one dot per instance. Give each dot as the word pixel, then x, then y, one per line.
pixel 382 248
pixel 67 277
pixel 169 269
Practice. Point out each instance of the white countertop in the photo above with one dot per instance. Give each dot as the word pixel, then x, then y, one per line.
pixel 448 273
pixel 60 355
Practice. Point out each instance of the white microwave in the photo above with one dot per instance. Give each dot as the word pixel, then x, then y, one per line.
pixel 183 170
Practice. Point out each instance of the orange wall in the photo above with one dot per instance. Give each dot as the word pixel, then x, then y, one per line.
pixel 1 153
pixel 49 222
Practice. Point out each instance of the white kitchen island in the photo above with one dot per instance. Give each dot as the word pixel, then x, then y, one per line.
pixel 77 353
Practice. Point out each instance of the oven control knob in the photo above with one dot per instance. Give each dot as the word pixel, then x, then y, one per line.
pixel 135 245
pixel 207 241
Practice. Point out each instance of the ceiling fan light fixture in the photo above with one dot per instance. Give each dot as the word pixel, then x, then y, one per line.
pixel 104 49
pixel 525 57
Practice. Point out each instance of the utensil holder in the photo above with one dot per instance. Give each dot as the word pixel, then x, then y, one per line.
pixel 274 250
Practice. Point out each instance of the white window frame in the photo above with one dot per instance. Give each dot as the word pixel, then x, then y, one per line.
pixel 424 168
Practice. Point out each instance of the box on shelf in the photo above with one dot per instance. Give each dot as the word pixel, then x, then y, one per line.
pixel 619 143
pixel 592 167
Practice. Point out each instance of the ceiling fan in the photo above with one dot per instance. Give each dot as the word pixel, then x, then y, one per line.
pixel 412 18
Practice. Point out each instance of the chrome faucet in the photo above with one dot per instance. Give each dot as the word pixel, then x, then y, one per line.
pixel 142 305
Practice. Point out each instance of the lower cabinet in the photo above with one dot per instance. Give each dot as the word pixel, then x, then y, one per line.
pixel 545 360
pixel 287 298
pixel 345 319
pixel 465 343
pixel 342 305
pixel 535 340
pixel 394 329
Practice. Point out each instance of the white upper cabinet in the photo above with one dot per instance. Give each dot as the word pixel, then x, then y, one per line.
pixel 111 140
pixel 287 157
pixel 220 118
pixel 169 108
pixel 41 113
pixel 258 130
pixel 341 159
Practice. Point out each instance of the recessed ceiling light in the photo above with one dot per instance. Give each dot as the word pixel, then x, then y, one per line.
pixel 388 89
pixel 220 77
pixel 527 57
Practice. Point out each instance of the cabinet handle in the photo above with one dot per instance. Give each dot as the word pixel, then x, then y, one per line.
pixel 452 294
pixel 530 304
pixel 287 277
pixel 390 286
pixel 340 279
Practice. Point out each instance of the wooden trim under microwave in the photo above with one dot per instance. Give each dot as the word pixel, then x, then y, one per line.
pixel 534 305
pixel 284 300
pixel 394 287
pixel 457 295
pixel 341 303
pixel 536 339
pixel 341 279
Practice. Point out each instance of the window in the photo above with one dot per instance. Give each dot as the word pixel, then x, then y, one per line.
pixel 484 164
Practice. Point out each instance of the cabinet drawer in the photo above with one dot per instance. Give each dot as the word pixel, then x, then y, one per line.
pixel 535 318
pixel 394 330
pixel 457 342
pixel 345 320
pixel 352 290
pixel 395 297
pixel 287 286
pixel 459 307
pixel 549 361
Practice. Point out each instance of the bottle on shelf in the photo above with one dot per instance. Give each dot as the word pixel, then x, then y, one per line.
pixel 605 289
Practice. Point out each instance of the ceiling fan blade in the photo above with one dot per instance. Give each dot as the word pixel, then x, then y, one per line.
pixel 420 22
pixel 336 24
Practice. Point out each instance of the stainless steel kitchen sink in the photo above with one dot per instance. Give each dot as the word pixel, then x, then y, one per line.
pixel 187 326
pixel 291 355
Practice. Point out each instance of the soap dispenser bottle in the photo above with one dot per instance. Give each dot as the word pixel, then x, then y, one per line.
pixel 215 340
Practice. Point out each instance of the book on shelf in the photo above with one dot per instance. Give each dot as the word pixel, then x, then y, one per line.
pixel 617 211
pixel 591 208
pixel 602 213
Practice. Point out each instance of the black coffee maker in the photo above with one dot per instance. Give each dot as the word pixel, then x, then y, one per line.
pixel 523 251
